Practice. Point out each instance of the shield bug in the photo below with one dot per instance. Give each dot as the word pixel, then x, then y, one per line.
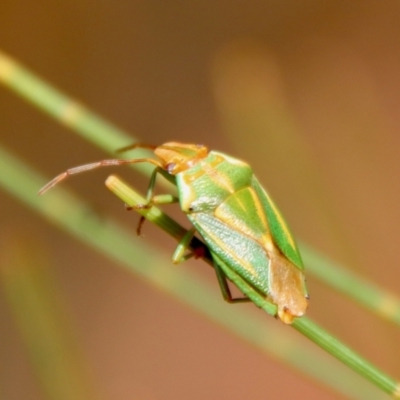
pixel 234 215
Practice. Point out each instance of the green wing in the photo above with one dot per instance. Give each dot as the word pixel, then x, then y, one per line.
pixel 279 229
pixel 241 252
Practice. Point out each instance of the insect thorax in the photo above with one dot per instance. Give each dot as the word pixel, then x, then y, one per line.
pixel 205 186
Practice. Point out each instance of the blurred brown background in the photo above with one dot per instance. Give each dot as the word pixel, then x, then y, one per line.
pixel 307 91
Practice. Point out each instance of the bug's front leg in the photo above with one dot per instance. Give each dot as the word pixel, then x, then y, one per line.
pixel 152 199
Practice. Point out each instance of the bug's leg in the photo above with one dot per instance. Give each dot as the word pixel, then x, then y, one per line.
pixel 150 190
pixel 223 284
pixel 179 255
pixel 152 199
pixel 140 225
pixel 162 198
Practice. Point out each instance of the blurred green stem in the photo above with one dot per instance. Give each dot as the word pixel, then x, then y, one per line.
pixel 32 294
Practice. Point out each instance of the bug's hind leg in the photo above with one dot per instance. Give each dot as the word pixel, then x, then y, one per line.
pixel 180 256
pixel 182 252
pixel 224 286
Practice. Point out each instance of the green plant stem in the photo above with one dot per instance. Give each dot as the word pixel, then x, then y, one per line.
pixel 105 135
pixel 303 325
pixel 122 247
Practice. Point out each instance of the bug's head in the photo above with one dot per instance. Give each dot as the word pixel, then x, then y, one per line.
pixel 178 157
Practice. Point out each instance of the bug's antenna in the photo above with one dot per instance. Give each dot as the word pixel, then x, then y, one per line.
pixel 87 167
pixel 136 146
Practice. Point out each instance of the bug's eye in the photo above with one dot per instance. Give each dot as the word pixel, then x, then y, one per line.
pixel 170 167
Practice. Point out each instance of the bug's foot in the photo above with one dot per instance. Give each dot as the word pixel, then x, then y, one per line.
pixel 138 207
pixel 142 206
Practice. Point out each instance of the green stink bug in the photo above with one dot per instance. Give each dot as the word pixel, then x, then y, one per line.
pixel 233 214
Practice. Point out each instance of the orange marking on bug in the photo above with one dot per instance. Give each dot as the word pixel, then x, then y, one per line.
pixel 286 284
pixel 190 178
pixel 218 177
